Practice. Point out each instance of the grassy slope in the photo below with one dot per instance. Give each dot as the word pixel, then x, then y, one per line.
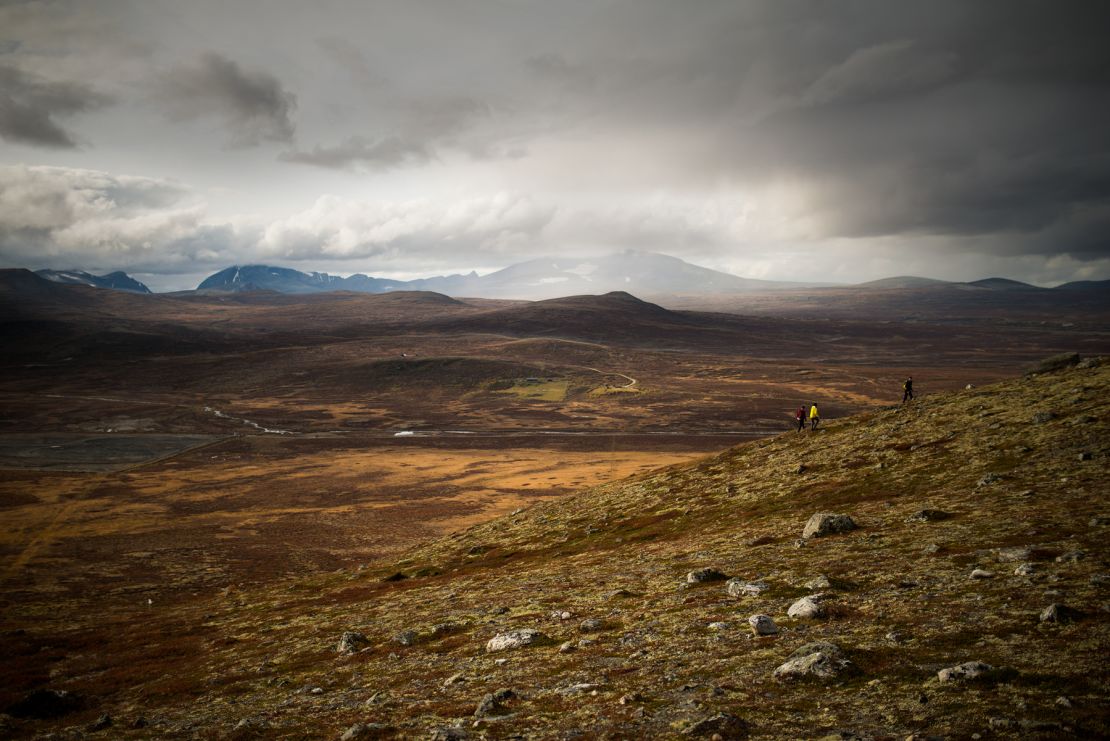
pixel 254 655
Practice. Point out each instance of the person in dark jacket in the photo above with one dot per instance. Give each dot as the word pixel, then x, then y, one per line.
pixel 907 390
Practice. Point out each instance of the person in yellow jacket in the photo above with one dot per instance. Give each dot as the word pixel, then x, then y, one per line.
pixel 814 417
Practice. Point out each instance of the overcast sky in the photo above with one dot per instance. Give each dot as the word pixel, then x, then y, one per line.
pixel 780 139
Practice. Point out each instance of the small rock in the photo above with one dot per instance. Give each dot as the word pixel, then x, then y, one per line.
pixel 316 691
pixel 567 647
pixel 104 721
pixel 1025 569
pixel 1041 418
pixel 928 515
pixel 982 574
pixel 698 576
pixel 561 615
pixel 1014 554
pixel 580 689
pixel 405 638
pixel 1063 702
pixel 592 625
pixel 454 679
pixel 807 608
pixel 932 549
pixel 800 543
pixel 763 625
pixel 819 660
pixel 988 479
pixel 818 583
pixel 827 523
pixel 351 642
pixel 367 731
pixel 718 626
pixel 494 703
pixel 439 630
pixel 800 469
pixel 740 588
pixel 721 726
pixel 631 698
pixel 449 733
pixel 1085 456
pixel 619 594
pixel 1058 613
pixel 514 639
pixel 967 670
pixel 1071 557
pixel 1099 521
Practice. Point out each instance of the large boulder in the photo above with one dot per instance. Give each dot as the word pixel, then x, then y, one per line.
pixel 828 523
pixel 819 660
pixel 964 671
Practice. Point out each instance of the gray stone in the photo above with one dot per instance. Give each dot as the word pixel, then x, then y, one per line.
pixel 820 661
pixel 592 625
pixel 818 582
pixel 928 515
pixel 351 642
pixel 367 731
pixel 740 588
pixel 807 608
pixel 965 671
pixel 514 639
pixel 1025 569
pixel 722 726
pixel 405 638
pixel 827 523
pixel 1015 553
pixel 1071 557
pixel 449 733
pixel 988 479
pixel 439 630
pixel 494 703
pixel 718 626
pixel 1058 613
pixel 763 625
pixel 982 574
pixel 1041 418
pixel 567 647
pixel 698 576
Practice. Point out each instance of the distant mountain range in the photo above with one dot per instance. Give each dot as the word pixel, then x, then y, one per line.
pixel 118 280
pixel 637 272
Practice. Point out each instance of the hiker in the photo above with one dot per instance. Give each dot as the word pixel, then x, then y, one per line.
pixel 800 417
pixel 907 389
pixel 814 417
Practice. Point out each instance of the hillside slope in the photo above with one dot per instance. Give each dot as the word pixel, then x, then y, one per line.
pixel 1008 479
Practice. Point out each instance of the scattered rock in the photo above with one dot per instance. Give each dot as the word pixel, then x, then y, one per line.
pixel 819 660
pixel 104 721
pixel 740 588
pixel 514 639
pixel 932 549
pixel 1025 569
pixel 721 726
pixel 439 630
pixel 405 638
pixel 982 574
pixel 763 625
pixel 631 698
pixel 1041 418
pixel 454 679
pixel 46 703
pixel 351 642
pixel 1071 557
pixel 1014 554
pixel 1085 456
pixel 1054 363
pixel 619 594
pixel 1063 702
pixel 1058 613
pixel 707 574
pixel 988 479
pixel 367 731
pixel 494 703
pixel 800 469
pixel 580 689
pixel 965 671
pixel 567 647
pixel 827 523
pixel 807 608
pixel 449 733
pixel 718 626
pixel 592 625
pixel 818 583
pixel 928 515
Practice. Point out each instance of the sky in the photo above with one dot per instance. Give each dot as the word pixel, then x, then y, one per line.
pixel 780 139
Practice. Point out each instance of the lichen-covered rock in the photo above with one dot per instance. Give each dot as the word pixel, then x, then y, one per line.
pixel 820 660
pixel 514 639
pixel 351 642
pixel 740 588
pixel 819 582
pixel 981 574
pixel 699 576
pixel 723 726
pixel 367 731
pixel 808 608
pixel 592 625
pixel 827 523
pixel 405 638
pixel 964 671
pixel 928 515
pixel 1057 613
pixel 494 703
pixel 763 625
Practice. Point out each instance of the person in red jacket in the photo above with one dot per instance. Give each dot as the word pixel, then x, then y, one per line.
pixel 800 417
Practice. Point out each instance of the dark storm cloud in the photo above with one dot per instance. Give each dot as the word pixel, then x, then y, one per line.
pixel 253 105
pixel 29 107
